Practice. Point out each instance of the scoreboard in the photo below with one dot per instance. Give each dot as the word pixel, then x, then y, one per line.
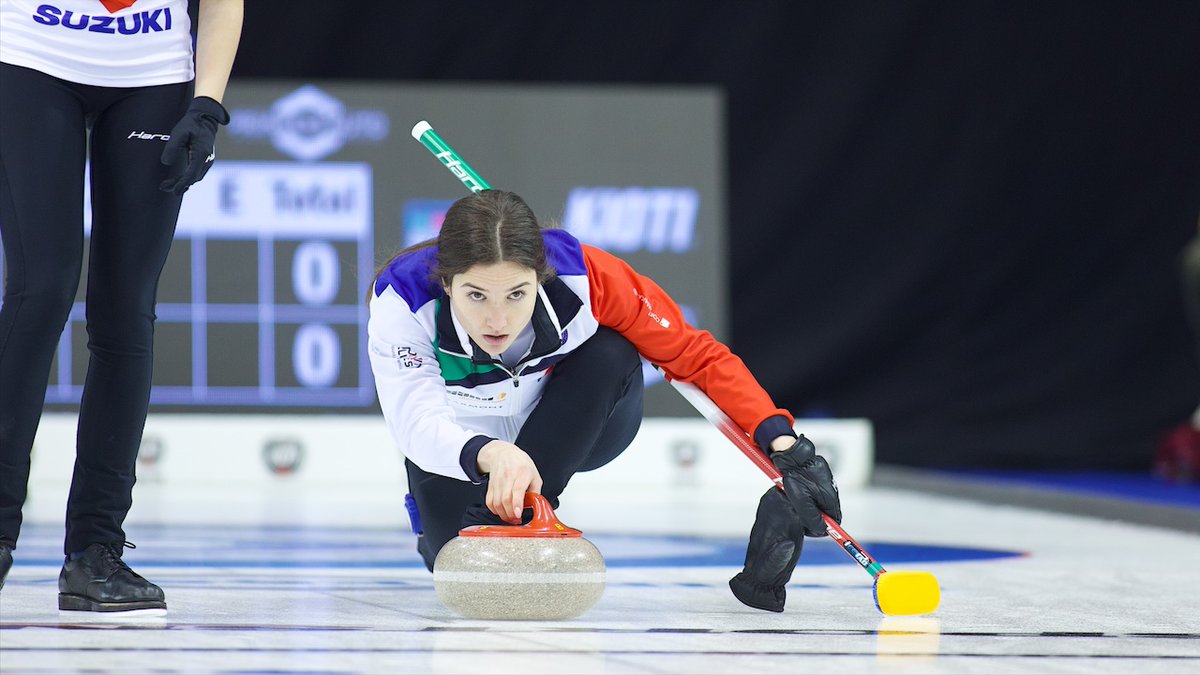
pixel 268 300
pixel 262 303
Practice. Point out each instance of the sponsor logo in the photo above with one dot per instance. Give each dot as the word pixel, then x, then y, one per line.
pixel 465 399
pixel 468 395
pixel 651 375
pixel 622 219
pixel 150 452
pixel 283 456
pixel 148 136
pixel 685 453
pixel 309 124
pixel 155 21
pixel 456 168
pixel 858 556
pixel 654 316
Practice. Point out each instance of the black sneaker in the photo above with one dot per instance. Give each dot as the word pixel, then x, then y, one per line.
pixel 99 581
pixel 5 561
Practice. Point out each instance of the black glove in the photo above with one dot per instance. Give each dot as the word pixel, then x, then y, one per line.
pixel 809 485
pixel 775 543
pixel 194 140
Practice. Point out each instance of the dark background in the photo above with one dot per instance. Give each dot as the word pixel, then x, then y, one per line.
pixel 961 220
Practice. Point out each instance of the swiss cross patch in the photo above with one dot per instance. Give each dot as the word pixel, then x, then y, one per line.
pixel 406 357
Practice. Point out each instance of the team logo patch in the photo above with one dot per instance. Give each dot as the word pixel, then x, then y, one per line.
pixel 406 357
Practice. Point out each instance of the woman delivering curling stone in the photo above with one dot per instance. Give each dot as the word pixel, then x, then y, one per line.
pixel 506 359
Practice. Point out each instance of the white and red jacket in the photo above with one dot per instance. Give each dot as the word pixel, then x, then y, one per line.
pixel 443 397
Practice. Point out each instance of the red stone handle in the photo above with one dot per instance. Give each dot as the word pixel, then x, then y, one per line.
pixel 543 524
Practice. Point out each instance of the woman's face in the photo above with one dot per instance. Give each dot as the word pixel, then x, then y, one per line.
pixel 494 303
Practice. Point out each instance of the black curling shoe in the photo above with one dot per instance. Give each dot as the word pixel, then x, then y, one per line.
pixel 5 561
pixel 99 581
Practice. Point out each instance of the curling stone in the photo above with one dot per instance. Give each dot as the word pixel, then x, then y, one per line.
pixel 542 570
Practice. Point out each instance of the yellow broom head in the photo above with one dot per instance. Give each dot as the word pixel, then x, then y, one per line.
pixel 904 593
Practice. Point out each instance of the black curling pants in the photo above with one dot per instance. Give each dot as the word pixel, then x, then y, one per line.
pixel 44 142
pixel 589 413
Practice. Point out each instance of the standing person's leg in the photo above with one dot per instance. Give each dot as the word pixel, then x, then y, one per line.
pixel 42 147
pixel 133 224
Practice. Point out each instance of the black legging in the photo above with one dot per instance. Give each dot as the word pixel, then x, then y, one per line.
pixel 43 146
pixel 589 413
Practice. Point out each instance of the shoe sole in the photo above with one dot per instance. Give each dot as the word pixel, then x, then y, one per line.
pixel 79 603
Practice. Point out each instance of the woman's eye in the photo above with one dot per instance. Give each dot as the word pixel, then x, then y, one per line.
pixel 516 295
pixel 475 295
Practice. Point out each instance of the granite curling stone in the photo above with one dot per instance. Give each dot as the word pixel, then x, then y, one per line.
pixel 539 571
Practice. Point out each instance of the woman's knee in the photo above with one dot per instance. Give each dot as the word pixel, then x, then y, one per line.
pixel 607 355
pixel 45 302
pixel 613 346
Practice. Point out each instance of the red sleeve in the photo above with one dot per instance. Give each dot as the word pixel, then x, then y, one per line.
pixel 637 308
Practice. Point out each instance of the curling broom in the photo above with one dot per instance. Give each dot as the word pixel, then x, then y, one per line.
pixel 901 593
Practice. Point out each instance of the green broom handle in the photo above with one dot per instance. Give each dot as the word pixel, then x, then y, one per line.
pixel 424 133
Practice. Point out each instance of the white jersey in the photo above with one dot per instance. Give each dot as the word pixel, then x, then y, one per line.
pixel 108 43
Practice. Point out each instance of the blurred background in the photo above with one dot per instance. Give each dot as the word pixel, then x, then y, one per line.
pixel 960 221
